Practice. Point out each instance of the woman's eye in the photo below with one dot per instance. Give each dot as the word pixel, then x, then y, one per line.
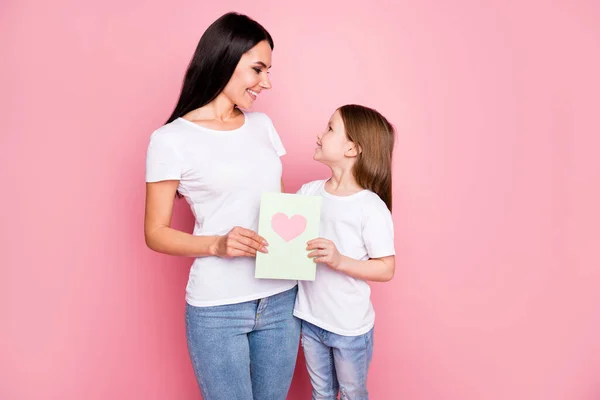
pixel 257 70
pixel 330 129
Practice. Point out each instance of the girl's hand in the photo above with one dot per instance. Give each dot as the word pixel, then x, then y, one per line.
pixel 239 242
pixel 324 252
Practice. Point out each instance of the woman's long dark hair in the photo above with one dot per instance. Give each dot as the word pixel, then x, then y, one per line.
pixel 217 54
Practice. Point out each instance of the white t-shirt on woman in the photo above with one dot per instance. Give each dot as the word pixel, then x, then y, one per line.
pixel 361 227
pixel 222 175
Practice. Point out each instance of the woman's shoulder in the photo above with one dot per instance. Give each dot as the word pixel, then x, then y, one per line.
pixel 172 127
pixel 258 117
pixel 171 132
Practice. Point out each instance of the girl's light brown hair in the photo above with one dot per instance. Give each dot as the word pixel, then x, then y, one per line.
pixel 374 136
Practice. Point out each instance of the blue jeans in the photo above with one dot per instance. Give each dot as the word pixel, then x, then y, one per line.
pixel 337 363
pixel 244 351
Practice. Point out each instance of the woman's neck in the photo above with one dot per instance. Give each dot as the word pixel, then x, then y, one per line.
pixel 220 109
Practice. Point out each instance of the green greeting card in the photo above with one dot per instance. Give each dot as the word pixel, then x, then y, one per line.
pixel 287 222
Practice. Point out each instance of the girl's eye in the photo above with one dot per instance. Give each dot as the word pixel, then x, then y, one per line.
pixel 257 70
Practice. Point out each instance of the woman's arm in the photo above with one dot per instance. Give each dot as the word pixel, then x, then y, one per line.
pixel 160 237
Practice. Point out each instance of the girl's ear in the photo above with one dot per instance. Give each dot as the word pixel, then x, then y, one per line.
pixel 353 151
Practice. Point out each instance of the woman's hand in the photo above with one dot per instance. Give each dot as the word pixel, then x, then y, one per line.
pixel 324 252
pixel 239 242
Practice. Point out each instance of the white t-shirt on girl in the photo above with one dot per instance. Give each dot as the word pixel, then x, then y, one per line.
pixel 222 175
pixel 361 227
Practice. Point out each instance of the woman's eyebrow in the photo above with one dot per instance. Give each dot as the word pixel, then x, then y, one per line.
pixel 262 64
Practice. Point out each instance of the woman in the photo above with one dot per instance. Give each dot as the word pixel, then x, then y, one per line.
pixel 242 336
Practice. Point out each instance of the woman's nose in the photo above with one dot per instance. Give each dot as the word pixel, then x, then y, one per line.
pixel 266 83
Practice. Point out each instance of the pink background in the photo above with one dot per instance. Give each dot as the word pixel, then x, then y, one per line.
pixel 496 175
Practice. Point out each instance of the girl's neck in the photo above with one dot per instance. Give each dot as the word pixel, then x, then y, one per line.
pixel 342 182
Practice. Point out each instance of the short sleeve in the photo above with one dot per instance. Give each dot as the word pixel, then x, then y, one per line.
pixel 163 163
pixel 310 188
pixel 275 139
pixel 378 230
pixel 302 189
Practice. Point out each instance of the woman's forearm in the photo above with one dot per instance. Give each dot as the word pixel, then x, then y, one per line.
pixel 170 241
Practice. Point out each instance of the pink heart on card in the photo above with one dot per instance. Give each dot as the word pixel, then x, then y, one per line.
pixel 288 228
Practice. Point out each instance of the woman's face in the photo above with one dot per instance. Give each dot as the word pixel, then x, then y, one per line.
pixel 250 76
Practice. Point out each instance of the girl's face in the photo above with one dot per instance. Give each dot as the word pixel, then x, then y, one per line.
pixel 333 146
pixel 250 76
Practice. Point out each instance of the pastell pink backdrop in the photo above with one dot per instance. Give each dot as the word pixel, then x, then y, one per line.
pixel 496 176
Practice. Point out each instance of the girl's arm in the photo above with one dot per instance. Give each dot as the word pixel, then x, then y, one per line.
pixel 374 269
pixel 162 238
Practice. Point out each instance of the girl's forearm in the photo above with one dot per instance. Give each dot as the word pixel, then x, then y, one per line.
pixel 374 269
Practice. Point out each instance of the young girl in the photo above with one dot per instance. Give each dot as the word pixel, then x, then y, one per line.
pixel 356 245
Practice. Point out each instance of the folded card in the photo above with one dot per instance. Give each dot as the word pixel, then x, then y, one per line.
pixel 287 222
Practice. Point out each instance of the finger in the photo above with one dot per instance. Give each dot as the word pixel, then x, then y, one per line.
pixel 240 247
pixel 251 243
pixel 253 236
pixel 317 253
pixel 237 235
pixel 316 240
pixel 240 253
pixel 320 259
pixel 317 246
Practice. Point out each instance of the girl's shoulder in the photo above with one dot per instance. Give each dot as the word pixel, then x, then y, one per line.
pixel 373 204
pixel 312 188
